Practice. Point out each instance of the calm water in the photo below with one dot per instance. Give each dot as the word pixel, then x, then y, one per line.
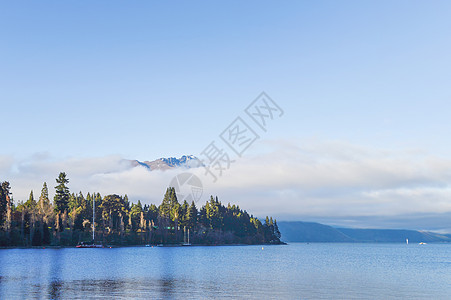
pixel 296 271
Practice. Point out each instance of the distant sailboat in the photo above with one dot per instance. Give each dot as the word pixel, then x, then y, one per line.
pixel 407 241
pixel 93 244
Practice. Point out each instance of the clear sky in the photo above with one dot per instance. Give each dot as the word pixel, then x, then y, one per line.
pixel 361 82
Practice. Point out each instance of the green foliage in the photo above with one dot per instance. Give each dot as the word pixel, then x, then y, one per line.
pixel 61 199
pixel 68 220
pixel 135 215
pixel 277 233
pixel 169 208
pixel 31 203
pixel 191 216
pixel 4 194
pixel 44 202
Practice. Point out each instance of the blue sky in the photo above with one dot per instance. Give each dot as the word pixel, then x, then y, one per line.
pixel 148 79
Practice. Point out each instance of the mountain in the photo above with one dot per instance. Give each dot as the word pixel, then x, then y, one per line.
pixel 393 235
pixel 310 232
pixel 315 232
pixel 186 161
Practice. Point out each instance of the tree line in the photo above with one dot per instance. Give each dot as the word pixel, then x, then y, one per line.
pixel 67 220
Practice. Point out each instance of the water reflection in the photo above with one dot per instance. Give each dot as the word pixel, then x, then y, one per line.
pixel 55 289
pixel 165 262
pixel 295 271
pixel 82 289
pixel 55 286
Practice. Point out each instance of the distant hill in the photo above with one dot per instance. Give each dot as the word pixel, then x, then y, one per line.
pixel 393 235
pixel 315 232
pixel 310 232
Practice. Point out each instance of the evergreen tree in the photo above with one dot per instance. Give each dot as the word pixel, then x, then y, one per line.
pixel 183 213
pixel 112 207
pixel 191 216
pixel 61 199
pixel 44 201
pixel 169 207
pixel 127 203
pixel 4 193
pixel 152 213
pixel 31 203
pixel 45 216
pixel 277 233
pixel 174 205
pixel 6 207
pixel 213 210
pixel 122 222
pixel 135 215
pixel 165 206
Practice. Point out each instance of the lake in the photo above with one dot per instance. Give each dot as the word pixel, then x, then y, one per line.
pixel 295 271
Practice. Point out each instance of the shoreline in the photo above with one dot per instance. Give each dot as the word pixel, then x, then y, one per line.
pixel 144 246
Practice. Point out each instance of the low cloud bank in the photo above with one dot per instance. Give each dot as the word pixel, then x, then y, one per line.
pixel 323 180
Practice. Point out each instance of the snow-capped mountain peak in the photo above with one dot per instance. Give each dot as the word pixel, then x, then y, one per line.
pixel 186 161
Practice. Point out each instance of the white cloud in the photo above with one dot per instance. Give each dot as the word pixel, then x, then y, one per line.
pixel 338 179
pixel 315 179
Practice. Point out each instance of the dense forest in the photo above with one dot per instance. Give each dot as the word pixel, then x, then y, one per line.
pixel 67 220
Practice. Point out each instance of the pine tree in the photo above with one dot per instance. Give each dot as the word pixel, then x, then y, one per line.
pixel 72 204
pixel 174 205
pixel 165 206
pixel 191 216
pixel 277 233
pixel 3 202
pixel 183 213
pixel 135 216
pixel 61 199
pixel 127 202
pixel 44 201
pixel 6 207
pixel 112 207
pixel 214 213
pixel 44 215
pixel 152 213
pixel 31 203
